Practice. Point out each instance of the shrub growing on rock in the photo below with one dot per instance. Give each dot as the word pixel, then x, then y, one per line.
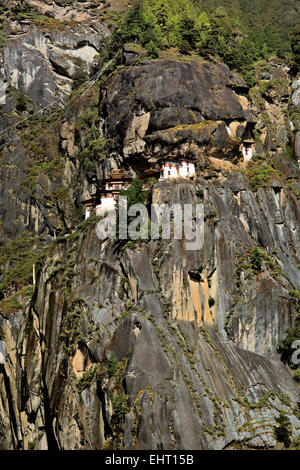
pixel 283 431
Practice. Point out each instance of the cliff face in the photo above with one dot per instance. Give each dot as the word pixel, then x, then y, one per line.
pixel 41 58
pixel 189 383
pixel 147 345
pixel 168 94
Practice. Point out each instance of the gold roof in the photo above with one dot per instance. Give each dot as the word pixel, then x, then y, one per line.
pixel 117 174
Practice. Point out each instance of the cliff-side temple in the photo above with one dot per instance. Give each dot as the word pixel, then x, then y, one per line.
pixel 177 169
pixel 106 193
pixel 108 189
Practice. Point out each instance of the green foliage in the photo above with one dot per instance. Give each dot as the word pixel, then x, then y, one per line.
pixel 2 39
pixel 113 365
pixel 292 334
pixel 256 260
pixel 210 215
pixel 271 32
pixel 37 135
pixel 93 146
pixel 21 103
pixel 21 7
pixel 266 85
pixel 297 376
pixel 261 403
pixel 86 380
pixel 259 175
pixel 295 45
pixel 283 432
pixel 135 193
pixel 88 119
pixel 72 324
pixel 289 152
pixel 200 193
pixel 54 167
pixel 31 445
pixel 152 49
pixel 16 271
pixel 42 19
pixel 296 443
pixel 159 24
pixel 120 408
pixel 249 78
pixel 21 10
pixel 79 78
pixel 240 31
pixel 19 256
pixel 293 190
pixel 12 303
pixel 239 34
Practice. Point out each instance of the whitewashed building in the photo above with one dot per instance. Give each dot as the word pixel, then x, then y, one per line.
pixel 107 193
pixel 177 169
pixel 247 150
pixel 107 202
pixel 88 209
pixel 247 153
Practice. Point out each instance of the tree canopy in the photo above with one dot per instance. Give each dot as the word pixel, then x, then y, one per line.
pixel 240 32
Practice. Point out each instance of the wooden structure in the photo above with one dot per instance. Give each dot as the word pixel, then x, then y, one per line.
pixel 106 194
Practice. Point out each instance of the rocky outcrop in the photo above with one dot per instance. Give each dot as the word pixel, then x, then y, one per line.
pixel 153 103
pixel 79 11
pixel 43 63
pixel 180 357
pixel 40 58
pixel 41 199
pixel 295 124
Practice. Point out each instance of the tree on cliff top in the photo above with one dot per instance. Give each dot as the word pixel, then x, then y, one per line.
pixel 295 43
pixel 232 31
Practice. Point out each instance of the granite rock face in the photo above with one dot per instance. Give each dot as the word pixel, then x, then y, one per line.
pixel 196 376
pixel 147 345
pixel 148 101
pixel 42 63
pixel 38 65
